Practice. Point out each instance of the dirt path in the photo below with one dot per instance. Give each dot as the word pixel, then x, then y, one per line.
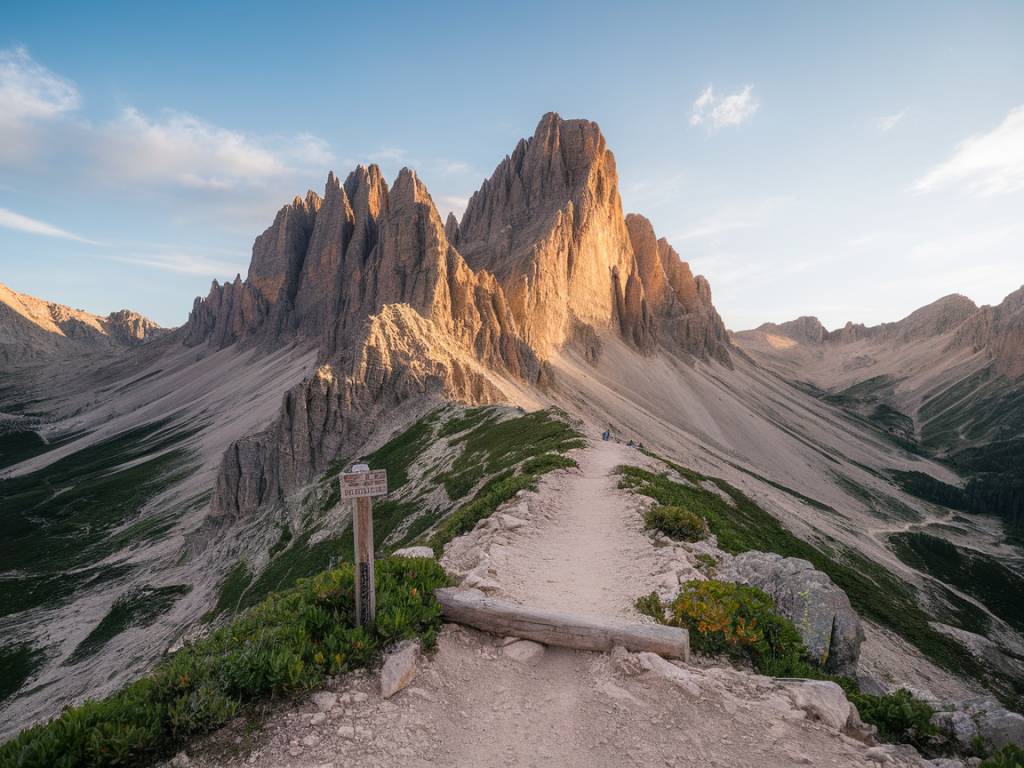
pixel 586 550
pixel 578 545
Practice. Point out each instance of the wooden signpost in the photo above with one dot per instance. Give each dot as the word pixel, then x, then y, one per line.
pixel 361 484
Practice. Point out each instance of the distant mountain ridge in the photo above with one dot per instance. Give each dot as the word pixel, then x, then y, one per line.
pixel 32 329
pixel 998 329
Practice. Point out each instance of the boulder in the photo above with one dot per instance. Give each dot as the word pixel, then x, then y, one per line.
pixel 820 700
pixel 821 611
pixel 399 668
pixel 981 718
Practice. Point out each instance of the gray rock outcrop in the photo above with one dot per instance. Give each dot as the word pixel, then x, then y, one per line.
pixel 983 719
pixel 820 610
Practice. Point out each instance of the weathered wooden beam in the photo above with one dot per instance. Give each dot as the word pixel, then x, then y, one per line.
pixel 475 609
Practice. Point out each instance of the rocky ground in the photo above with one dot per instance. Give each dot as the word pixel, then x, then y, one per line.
pixel 480 700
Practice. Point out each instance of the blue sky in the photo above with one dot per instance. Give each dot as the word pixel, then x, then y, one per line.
pixel 853 160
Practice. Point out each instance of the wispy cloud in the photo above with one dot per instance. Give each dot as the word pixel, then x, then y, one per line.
pixel 181 149
pixel 985 164
pixel 188 263
pixel 887 122
pixel 30 91
pixel 30 95
pixel 389 155
pixel 735 217
pixel 719 112
pixel 451 204
pixel 11 220
pixel 450 167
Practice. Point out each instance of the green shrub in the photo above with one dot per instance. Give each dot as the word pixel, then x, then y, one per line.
pixel 676 523
pixel 738 620
pixel 741 621
pixel 547 462
pixel 283 646
pixel 898 716
pixel 1010 756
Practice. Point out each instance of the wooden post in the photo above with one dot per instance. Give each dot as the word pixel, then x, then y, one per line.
pixel 362 485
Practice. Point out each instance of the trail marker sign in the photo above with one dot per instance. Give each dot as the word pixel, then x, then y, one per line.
pixel 361 484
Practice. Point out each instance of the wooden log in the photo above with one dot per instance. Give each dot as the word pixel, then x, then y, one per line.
pixel 475 609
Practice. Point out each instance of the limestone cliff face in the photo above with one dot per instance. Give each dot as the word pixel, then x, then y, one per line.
pixel 1000 331
pixel 680 304
pixel 402 306
pixel 549 225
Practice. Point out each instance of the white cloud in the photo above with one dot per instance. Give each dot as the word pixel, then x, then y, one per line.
pixel 11 220
pixel 29 91
pixel 184 263
pixel 31 97
pixel 187 151
pixel 887 122
pixel 449 167
pixel 985 164
pixel 451 204
pixel 389 155
pixel 735 217
pixel 720 112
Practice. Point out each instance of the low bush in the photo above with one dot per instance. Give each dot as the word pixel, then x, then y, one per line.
pixel 676 523
pixel 735 619
pixel 898 716
pixel 283 646
pixel 742 621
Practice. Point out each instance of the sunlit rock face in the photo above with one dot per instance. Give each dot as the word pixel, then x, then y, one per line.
pixel 400 304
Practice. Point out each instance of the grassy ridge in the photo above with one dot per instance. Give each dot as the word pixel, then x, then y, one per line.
pixel 281 647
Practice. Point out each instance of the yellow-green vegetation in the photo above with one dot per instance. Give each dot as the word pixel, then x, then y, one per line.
pixel 285 645
pixel 734 619
pixel 741 525
pixel 742 621
pixel 676 523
